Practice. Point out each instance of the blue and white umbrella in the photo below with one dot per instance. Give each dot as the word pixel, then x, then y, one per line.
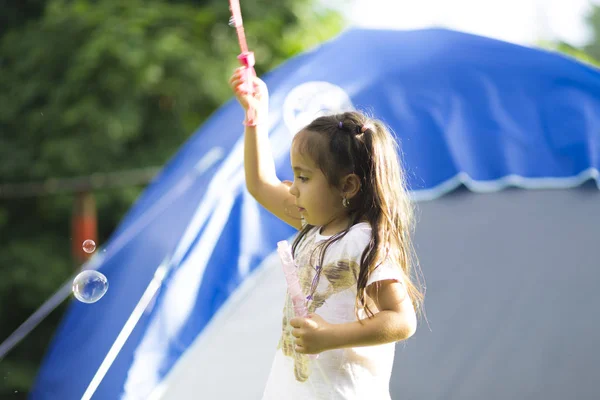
pixel 193 293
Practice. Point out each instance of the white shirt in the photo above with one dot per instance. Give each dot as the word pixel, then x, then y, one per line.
pixel 350 373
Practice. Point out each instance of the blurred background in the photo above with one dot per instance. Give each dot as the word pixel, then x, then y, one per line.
pixel 95 96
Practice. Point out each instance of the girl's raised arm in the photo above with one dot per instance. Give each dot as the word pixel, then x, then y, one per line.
pixel 261 178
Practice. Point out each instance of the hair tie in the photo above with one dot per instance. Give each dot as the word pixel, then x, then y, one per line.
pixel 340 125
pixel 365 127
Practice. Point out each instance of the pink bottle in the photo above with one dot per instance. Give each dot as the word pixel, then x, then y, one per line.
pixel 291 276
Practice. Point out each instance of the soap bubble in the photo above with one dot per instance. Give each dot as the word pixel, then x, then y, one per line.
pixel 89 286
pixel 89 246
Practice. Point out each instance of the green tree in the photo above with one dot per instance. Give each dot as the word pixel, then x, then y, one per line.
pixel 572 51
pixel 590 52
pixel 18 12
pixel 103 86
pixel 593 22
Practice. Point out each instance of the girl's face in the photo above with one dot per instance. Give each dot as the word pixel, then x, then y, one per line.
pixel 318 202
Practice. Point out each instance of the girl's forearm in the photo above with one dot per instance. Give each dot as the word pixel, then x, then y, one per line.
pixel 384 327
pixel 259 165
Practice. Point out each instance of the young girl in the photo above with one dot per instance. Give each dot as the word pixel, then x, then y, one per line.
pixel 353 251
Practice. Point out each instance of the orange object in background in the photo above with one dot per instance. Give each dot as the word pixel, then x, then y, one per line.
pixel 84 225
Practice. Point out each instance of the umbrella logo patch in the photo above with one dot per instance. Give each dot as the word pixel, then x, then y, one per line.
pixel 311 100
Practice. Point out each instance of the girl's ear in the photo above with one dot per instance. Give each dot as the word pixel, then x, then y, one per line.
pixel 350 185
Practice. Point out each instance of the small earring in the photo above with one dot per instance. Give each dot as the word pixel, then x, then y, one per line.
pixel 345 202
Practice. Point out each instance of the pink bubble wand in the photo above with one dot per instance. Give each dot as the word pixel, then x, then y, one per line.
pixel 293 282
pixel 246 57
pixel 291 277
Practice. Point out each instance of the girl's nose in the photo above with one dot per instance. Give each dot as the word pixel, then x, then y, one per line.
pixel 291 187
pixel 294 190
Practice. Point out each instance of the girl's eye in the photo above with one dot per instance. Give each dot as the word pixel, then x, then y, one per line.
pixel 302 178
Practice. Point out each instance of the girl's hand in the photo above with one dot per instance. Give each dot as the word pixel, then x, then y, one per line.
pixel 259 100
pixel 313 334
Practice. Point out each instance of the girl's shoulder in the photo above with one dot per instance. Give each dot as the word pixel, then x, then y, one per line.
pixel 356 239
pixel 360 231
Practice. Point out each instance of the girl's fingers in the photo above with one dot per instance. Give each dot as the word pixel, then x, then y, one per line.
pixel 240 88
pixel 248 98
pixel 236 76
pixel 239 76
pixel 235 83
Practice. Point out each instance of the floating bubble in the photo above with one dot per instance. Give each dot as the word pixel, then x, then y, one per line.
pixel 89 286
pixel 89 246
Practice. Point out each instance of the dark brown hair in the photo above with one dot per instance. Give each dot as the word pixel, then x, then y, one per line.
pixel 383 200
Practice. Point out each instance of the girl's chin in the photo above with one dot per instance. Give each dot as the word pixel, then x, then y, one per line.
pixel 305 221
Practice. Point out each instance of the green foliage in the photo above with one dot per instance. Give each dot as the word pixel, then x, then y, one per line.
pixel 16 13
pixel 571 51
pixel 588 54
pixel 99 86
pixel 593 21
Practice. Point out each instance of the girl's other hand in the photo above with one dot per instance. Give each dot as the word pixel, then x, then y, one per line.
pixel 258 100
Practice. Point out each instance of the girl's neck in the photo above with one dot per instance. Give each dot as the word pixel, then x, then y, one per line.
pixel 337 226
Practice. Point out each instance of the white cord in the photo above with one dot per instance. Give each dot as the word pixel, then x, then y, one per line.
pixel 118 344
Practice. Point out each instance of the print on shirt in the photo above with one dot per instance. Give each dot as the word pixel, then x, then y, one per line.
pixel 338 276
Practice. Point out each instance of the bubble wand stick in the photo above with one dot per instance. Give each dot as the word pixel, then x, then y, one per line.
pixel 291 277
pixel 246 57
pixel 293 283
